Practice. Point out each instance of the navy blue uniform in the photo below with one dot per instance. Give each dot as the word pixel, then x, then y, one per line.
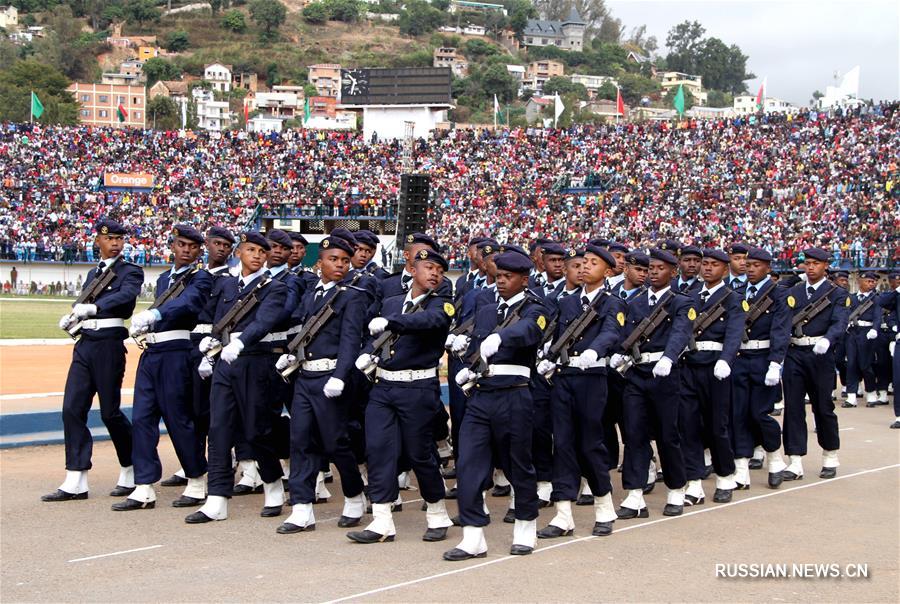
pixel 399 283
pixel 498 416
pixel 890 302
pixel 652 403
pixel 739 285
pixel 860 350
pixel 98 366
pixel 807 373
pixel 238 397
pixel 464 283
pixel 399 414
pixel 705 399
pixel 318 423
pixel 687 287
pixel 201 387
pixel 579 399
pixel 752 401
pixel 163 386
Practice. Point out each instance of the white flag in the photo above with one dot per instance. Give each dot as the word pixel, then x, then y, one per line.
pixel 496 110
pixel 558 108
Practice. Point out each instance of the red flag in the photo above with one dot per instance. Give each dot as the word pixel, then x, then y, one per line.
pixel 246 113
pixel 620 105
pixel 123 115
pixel 760 94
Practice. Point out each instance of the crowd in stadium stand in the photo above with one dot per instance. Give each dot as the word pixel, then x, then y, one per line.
pixel 778 182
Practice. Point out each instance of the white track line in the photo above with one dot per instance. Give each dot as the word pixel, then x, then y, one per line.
pixel 127 551
pixel 622 530
pixel 29 395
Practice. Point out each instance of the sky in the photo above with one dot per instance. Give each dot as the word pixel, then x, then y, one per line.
pixel 797 44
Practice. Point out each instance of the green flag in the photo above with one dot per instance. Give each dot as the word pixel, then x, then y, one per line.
pixel 678 103
pixel 306 111
pixel 37 108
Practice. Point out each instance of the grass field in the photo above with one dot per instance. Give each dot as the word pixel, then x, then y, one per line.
pixel 34 318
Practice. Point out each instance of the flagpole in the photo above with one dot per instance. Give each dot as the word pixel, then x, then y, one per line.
pixel 31 108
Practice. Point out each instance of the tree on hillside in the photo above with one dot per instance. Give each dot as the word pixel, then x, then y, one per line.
pixel 563 86
pixel 419 17
pixel 723 67
pixel 610 31
pixel 176 41
pixel 268 14
pixel 640 40
pixel 141 11
pixel 684 42
pixel 315 13
pixel 17 82
pixel 157 69
pixel 607 91
pixel 234 21
pixel 635 87
pixel 163 113
pixel 347 11
pixel 519 12
pixel 65 48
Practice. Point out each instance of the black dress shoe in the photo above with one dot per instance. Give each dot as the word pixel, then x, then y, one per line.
pixel 60 495
pixel 673 510
pixel 628 513
pixel 455 521
pixel 456 555
pixel 435 534
pixel 187 502
pixel 510 516
pixel 451 493
pixel 788 475
pixel 129 505
pixel 755 464
pixel 775 479
pixel 520 550
pixel 585 500
pixel 742 487
pixel 648 488
pixel 722 496
pixel 828 473
pixel 396 507
pixel 174 481
pixel 846 405
pixel 690 500
pixel 602 529
pixel 329 478
pixel 424 507
pixel 320 500
pixel 450 472
pixel 368 537
pixel 896 425
pixel 544 503
pixel 242 489
pixel 775 413
pixel 287 528
pixel 870 405
pixel 348 521
pixel 198 517
pixel 552 532
pixel 499 491
pixel 270 511
pixel 659 476
pixel 707 471
pixel 121 491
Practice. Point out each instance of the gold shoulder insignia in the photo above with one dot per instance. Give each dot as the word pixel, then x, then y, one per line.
pixel 621 319
pixel 745 305
pixel 448 308
pixel 542 322
pixel 791 301
pixel 692 314
pixel 847 303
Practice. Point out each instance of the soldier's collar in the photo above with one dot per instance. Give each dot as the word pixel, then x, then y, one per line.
pixel 514 300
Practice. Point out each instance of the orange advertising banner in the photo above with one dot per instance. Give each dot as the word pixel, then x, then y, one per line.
pixel 129 180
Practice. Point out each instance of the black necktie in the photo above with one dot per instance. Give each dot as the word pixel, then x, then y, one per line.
pixel 684 286
pixel 652 300
pixel 585 300
pixel 810 291
pixel 320 293
pixel 408 306
pixel 623 294
pixel 405 279
pixel 100 266
pixel 471 278
pixel 501 312
pixel 751 292
pixel 861 297
pixel 241 285
pixel 704 296
pixel 563 294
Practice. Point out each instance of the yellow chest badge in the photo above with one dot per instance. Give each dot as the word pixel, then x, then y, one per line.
pixel 745 305
pixel 448 308
pixel 692 314
pixel 621 319
pixel 791 301
pixel 847 303
pixel 542 322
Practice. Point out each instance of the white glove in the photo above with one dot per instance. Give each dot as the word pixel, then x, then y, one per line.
pixel 721 370
pixel 143 321
pixel 205 369
pixel 545 367
pixel 587 358
pixel 490 346
pixel 208 343
pixel 377 325
pixel 284 361
pixel 892 346
pixel 663 367
pixel 333 387
pixel 821 346
pixel 871 334
pixel 773 375
pixel 463 376
pixel 364 361
pixel 460 344
pixel 230 353
pixel 449 342
pixel 617 360
pixel 67 321
pixel 547 346
pixel 83 311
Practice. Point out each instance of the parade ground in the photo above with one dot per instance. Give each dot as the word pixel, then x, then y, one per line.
pixel 836 540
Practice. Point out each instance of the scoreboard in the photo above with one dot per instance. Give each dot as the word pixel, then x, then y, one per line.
pixel 411 86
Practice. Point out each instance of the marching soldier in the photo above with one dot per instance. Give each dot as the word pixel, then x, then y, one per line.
pixel 473 278
pixel 97 320
pixel 588 328
pixel 554 268
pixel 404 357
pixel 247 308
pixel 737 268
pixel 366 245
pixel 688 280
pixel 617 272
pixel 883 349
pixel 862 331
pixel 332 315
pixel 536 277
pixel 819 313
pixel 757 370
pixel 164 383
pixel 842 279
pixel 498 415
pixel 653 387
pixel 399 283
pixel 890 301
pixel 298 251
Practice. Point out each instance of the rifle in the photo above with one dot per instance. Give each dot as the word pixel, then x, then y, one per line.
pixel 642 333
pixel 382 345
pixel 809 312
pixel 759 308
pixel 860 310
pixel 559 351
pixel 89 295
pixel 477 365
pixel 174 290
pixel 221 331
pixel 311 329
pixel 706 320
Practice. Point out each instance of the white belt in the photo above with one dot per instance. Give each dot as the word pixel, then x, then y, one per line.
pixel 277 336
pixel 863 324
pixel 598 363
pixel 707 345
pixel 320 365
pixel 102 323
pixel 494 370
pixel 650 357
pixel 294 329
pixel 806 340
pixel 755 345
pixel 167 336
pixel 406 375
pixel 203 328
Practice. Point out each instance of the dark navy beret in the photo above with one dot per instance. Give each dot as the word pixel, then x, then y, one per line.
pixel 513 261
pixel 618 247
pixel 599 242
pixel 488 246
pixel 717 254
pixel 869 275
pixel 475 241
pixel 331 242
pixel 738 248
pixel 220 233
pixel 894 275
pixel 540 241
pixel 670 245
pixel 508 247
pixel 760 254
pixel 280 237
pixel 844 274
pixel 423 239
pixel 366 237
pixel 433 256
pixel 344 234
pixel 255 238
pixel 638 258
pixel 691 250
pixel 188 232
pixel 574 253
pixel 664 256
pixel 297 237
pixel 816 253
pixel 553 249
pixel 105 226
pixel 602 252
